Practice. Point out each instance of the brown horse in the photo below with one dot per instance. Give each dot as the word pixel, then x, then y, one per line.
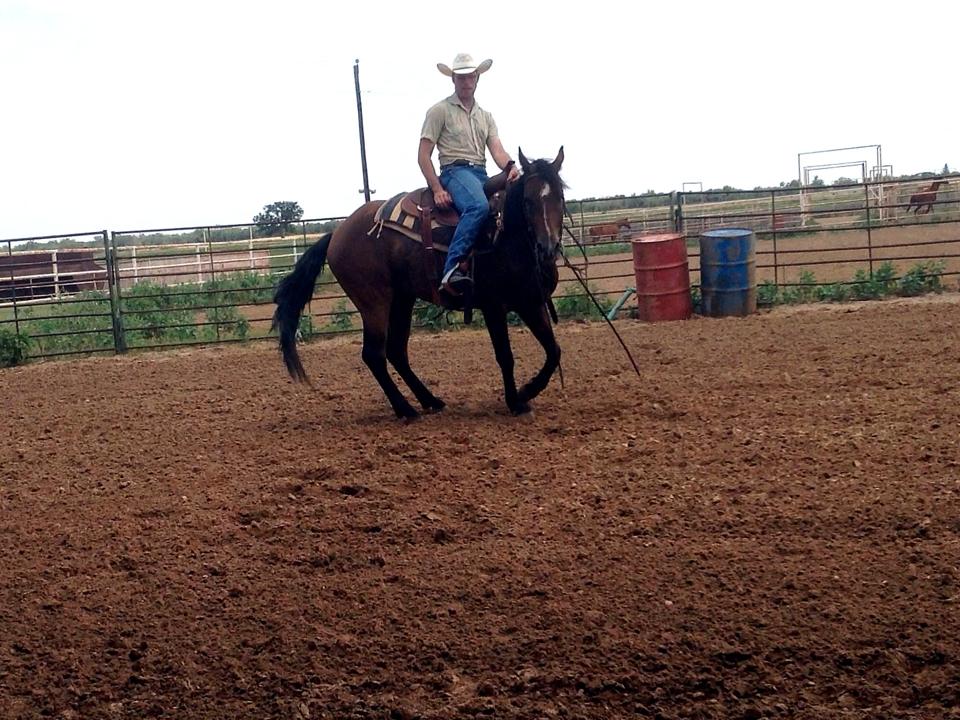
pixel 608 231
pixel 384 273
pixel 925 198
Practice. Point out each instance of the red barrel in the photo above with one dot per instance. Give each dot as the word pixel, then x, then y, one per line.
pixel 663 277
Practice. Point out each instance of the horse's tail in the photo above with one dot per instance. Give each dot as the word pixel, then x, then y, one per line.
pixel 293 292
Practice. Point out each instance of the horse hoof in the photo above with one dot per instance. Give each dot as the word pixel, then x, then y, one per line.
pixel 434 406
pixel 520 408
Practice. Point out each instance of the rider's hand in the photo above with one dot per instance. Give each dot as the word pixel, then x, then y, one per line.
pixel 442 198
pixel 513 174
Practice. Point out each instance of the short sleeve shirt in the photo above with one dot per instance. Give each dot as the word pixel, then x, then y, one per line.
pixel 457 133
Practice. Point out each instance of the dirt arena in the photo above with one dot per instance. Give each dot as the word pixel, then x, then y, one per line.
pixel 765 524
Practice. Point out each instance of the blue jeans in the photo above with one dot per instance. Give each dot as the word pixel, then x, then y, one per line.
pixel 465 185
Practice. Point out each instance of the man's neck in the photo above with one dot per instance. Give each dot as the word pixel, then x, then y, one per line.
pixel 466 101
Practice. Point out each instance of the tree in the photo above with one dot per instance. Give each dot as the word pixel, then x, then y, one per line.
pixel 817 182
pixel 946 169
pixel 845 181
pixel 276 217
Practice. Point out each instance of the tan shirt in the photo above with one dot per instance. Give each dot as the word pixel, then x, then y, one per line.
pixel 458 134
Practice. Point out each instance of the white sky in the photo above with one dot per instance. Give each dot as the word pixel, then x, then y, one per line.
pixel 132 114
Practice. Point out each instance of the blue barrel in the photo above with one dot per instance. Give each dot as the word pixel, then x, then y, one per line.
pixel 728 272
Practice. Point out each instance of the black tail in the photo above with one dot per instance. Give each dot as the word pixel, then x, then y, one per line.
pixel 293 292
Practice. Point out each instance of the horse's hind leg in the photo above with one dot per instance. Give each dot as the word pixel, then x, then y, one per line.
pixel 374 355
pixel 398 335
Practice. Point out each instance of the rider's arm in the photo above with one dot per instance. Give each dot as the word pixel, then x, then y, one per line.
pixel 425 160
pixel 501 158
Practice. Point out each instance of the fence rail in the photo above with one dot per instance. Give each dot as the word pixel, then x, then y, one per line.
pixel 178 286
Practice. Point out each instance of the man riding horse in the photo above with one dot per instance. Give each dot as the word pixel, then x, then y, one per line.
pixel 461 131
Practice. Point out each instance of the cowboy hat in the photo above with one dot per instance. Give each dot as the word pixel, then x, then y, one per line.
pixel 464 64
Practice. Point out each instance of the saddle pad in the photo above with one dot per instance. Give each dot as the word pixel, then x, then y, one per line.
pixel 393 216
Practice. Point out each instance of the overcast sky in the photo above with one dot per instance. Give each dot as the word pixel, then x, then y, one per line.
pixel 133 114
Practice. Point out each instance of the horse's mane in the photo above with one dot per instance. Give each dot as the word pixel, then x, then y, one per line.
pixel 513 218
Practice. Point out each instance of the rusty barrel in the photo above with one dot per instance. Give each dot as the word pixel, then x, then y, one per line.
pixel 663 277
pixel 728 272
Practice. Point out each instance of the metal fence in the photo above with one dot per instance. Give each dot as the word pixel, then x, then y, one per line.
pixel 814 236
pixel 118 291
pixel 155 288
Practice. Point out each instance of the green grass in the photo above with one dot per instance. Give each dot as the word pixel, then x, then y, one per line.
pixel 922 278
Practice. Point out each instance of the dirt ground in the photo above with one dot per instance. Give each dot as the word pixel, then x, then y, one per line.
pixel 764 524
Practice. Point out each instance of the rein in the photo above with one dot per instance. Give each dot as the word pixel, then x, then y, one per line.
pixel 576 274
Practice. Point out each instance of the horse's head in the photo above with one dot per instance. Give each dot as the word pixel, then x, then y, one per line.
pixel 543 204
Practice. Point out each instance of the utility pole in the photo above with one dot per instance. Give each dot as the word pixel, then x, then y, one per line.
pixel 363 145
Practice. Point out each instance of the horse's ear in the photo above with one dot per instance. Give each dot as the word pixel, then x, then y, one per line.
pixel 559 160
pixel 524 163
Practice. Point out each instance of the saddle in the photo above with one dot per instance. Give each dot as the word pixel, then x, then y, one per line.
pixel 421 202
pixel 416 215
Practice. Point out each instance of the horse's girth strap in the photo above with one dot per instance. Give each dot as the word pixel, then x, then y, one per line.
pixel 426 229
pixel 426 232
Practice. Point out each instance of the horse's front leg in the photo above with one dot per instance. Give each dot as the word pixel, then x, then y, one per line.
pixel 538 320
pixel 496 322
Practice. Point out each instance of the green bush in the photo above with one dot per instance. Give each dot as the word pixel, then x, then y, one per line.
pixel 239 288
pixel 431 317
pixel 227 322
pixel 923 278
pixel 768 293
pixel 342 318
pixel 579 305
pixel 305 327
pixel 82 324
pixel 882 283
pixel 807 290
pixel 804 291
pixel 13 348
pixel 837 292
pixel 158 314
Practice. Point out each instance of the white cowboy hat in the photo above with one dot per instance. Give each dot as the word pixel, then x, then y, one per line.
pixel 464 64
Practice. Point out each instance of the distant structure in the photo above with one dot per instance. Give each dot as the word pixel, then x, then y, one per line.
pixel 872 172
pixel 49 273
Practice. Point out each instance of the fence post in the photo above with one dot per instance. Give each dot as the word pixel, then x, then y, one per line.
pixel 133 264
pixel 209 243
pixel 113 289
pixel 773 212
pixel 13 290
pixel 676 210
pixel 56 274
pixel 213 283
pixel 253 265
pixel 866 192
